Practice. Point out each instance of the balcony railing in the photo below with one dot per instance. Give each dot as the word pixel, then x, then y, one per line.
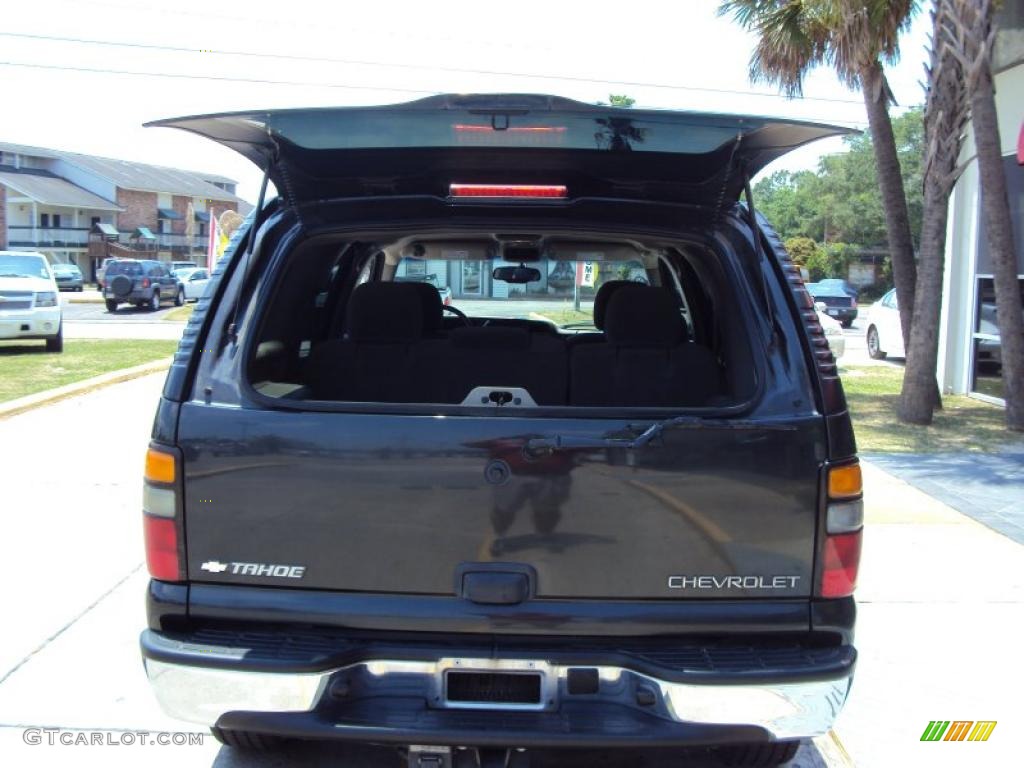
pixel 59 237
pixel 78 237
pixel 174 242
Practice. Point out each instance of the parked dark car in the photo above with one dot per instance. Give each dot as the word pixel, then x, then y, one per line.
pixel 373 518
pixel 68 277
pixel 142 282
pixel 838 303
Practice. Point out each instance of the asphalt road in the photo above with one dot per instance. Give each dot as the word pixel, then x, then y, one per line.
pixel 91 320
pixel 72 566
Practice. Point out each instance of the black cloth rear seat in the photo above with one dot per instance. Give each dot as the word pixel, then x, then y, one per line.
pixel 387 354
pixel 502 356
pixel 646 359
pixel 383 356
pixel 433 309
pixel 604 293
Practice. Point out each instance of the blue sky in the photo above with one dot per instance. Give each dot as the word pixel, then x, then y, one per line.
pixel 172 59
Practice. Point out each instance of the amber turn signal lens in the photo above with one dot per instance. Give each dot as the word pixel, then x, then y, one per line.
pixel 845 482
pixel 159 466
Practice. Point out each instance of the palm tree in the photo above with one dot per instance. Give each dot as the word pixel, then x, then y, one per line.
pixel 974 27
pixel 855 37
pixel 945 117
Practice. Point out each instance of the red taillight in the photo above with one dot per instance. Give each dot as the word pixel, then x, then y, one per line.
pixel 545 191
pixel 844 526
pixel 145 282
pixel 161 535
pixel 841 559
pixel 466 128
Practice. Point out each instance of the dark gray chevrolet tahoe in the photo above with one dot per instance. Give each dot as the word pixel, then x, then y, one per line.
pixel 608 498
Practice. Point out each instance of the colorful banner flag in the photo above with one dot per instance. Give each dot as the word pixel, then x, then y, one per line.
pixel 216 243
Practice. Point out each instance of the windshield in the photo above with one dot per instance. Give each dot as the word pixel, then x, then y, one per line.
pixel 23 266
pixel 556 291
pixel 65 268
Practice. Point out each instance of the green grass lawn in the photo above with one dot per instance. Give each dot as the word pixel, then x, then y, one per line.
pixel 181 313
pixel 963 424
pixel 26 367
pixel 568 316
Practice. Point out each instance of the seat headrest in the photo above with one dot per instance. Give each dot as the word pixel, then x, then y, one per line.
pixel 604 293
pixel 490 337
pixel 384 312
pixel 639 315
pixel 433 307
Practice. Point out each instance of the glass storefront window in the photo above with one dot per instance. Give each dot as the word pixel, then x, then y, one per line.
pixel 986 351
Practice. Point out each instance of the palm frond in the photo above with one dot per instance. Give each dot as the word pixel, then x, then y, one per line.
pixel 791 39
pixel 794 36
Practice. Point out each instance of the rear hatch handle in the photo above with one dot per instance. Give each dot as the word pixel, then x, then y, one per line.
pixel 537 447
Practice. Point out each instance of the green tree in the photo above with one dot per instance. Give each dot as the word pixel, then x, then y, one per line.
pixel 803 250
pixel 945 117
pixel 840 201
pixel 617 100
pixel 790 202
pixel 855 37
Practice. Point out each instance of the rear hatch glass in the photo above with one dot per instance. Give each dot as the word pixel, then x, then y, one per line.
pixel 129 268
pixel 423 146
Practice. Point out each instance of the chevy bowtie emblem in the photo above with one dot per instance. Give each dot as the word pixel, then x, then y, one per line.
pixel 214 566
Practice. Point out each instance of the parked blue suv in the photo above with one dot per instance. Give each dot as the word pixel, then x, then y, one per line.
pixel 142 282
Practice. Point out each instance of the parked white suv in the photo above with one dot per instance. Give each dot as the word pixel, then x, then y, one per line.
pixel 29 301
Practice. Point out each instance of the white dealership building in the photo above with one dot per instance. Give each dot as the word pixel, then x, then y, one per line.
pixel 969 349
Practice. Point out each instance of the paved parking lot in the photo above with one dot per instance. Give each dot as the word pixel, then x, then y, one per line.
pixel 86 317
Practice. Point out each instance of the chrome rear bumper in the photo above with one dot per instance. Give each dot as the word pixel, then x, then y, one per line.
pixel 785 710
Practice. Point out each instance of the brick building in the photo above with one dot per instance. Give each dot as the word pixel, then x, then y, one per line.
pixel 52 201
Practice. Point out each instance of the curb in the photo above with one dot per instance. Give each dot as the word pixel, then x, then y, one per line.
pixel 46 397
pixel 84 300
pixel 833 751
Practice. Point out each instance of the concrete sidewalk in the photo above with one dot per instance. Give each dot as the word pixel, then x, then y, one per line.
pixel 988 487
pixel 938 632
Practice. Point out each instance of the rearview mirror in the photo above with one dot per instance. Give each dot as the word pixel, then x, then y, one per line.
pixel 518 275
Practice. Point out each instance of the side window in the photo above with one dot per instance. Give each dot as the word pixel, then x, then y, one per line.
pixel 890 300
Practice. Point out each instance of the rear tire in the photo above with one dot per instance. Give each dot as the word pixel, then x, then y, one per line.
pixel 179 297
pixel 874 345
pixel 56 344
pixel 846 323
pixel 247 741
pixel 758 755
pixel 154 301
pixel 111 305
